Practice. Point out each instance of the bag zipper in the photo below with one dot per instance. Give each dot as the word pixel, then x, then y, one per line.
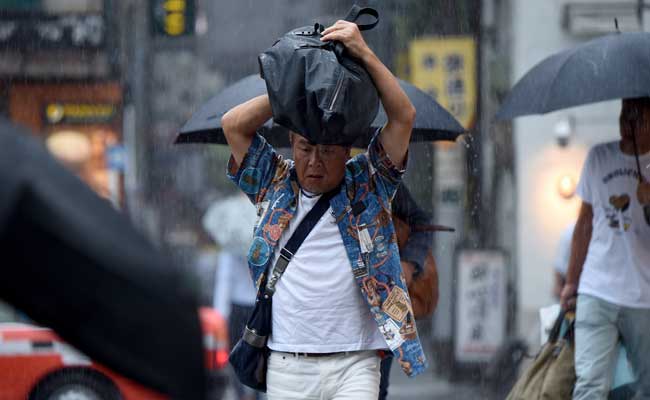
pixel 339 84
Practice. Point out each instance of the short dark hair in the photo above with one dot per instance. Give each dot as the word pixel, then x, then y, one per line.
pixel 291 133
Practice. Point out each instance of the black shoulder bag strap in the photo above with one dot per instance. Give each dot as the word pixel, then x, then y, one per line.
pixel 298 236
pixel 249 356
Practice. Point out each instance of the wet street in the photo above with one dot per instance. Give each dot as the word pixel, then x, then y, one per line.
pixel 429 386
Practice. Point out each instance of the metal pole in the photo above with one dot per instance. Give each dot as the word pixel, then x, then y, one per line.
pixel 639 13
pixel 139 83
pixel 643 14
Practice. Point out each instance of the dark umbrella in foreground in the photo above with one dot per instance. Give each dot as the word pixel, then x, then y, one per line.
pixel 614 66
pixel 72 263
pixel 432 121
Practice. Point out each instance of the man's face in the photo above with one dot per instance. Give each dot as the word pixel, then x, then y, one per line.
pixel 320 167
pixel 635 119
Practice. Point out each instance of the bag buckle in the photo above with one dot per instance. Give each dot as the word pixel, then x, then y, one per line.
pixel 251 337
pixel 280 265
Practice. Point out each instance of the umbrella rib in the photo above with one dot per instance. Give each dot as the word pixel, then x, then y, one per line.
pixel 571 53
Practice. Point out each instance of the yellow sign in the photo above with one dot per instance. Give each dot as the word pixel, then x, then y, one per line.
pixel 79 113
pixel 173 17
pixel 445 68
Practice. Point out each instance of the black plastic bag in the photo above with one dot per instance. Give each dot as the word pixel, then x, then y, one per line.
pixel 316 89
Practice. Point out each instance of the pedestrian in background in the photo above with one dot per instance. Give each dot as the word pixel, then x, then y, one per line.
pixel 609 269
pixel 412 258
pixel 230 222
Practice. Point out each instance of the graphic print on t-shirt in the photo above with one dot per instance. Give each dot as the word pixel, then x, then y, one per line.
pixel 615 214
pixel 616 266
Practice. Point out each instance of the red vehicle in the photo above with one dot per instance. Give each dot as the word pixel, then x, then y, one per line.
pixel 35 364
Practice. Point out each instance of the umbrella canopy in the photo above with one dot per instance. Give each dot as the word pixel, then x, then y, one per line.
pixel 73 263
pixel 610 67
pixel 432 121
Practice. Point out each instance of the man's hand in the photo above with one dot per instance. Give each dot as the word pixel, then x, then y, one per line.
pixel 643 192
pixel 396 133
pixel 568 297
pixel 347 33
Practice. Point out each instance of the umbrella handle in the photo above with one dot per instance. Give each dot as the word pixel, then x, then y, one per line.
pixel 432 228
pixel 636 156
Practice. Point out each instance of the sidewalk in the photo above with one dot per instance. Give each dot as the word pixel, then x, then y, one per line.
pixel 429 386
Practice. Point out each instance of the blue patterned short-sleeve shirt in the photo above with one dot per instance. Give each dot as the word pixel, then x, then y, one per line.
pixel 361 207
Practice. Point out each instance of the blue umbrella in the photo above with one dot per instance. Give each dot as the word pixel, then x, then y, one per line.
pixel 610 67
pixel 432 121
pixel 615 66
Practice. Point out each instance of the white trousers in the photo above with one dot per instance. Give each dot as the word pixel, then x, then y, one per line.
pixel 353 376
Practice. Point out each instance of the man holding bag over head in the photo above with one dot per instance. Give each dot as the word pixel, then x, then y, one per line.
pixel 343 298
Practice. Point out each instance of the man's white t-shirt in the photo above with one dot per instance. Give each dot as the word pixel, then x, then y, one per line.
pixel 617 266
pixel 317 305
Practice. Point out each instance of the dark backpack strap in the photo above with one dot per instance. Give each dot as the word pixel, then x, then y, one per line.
pixel 298 236
pixel 554 334
pixel 356 12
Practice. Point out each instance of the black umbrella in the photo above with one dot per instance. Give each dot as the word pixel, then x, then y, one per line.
pixel 71 262
pixel 615 66
pixel 432 122
pixel 610 67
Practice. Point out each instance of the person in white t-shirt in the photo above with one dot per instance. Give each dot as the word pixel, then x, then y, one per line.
pixel 609 269
pixel 230 222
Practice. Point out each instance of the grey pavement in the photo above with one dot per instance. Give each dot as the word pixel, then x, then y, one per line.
pixel 430 385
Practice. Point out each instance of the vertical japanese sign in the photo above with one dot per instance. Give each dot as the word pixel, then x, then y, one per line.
pixel 173 17
pixel 481 304
pixel 445 68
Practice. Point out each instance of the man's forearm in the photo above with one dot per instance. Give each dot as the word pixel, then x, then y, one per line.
pixel 399 109
pixel 580 244
pixel 241 122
